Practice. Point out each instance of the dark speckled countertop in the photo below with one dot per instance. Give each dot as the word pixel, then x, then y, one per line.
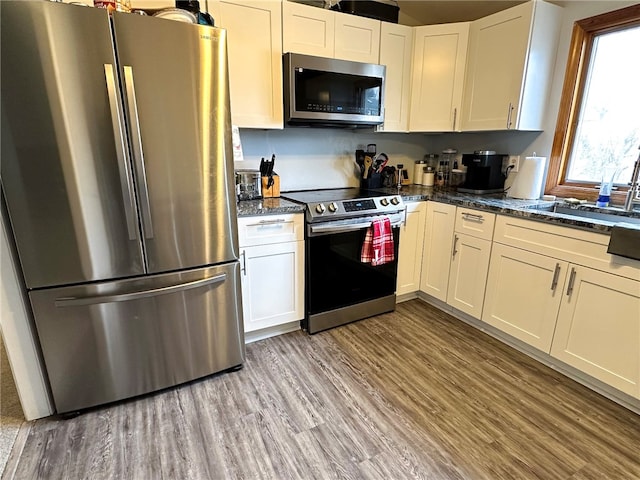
pixel 539 210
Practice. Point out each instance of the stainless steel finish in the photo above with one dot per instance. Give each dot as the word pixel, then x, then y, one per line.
pixel 318 212
pixel 108 329
pixel 291 61
pixel 138 154
pixel 60 169
pixel 455 115
pixel 572 279
pixel 122 155
pixel 340 316
pixel 109 351
pixel 455 246
pixel 248 184
pixel 607 215
pixel 349 225
pixel 633 194
pixel 244 262
pixel 473 217
pixel 126 297
pixel 556 274
pixel 272 222
pixel 185 134
pixel 480 192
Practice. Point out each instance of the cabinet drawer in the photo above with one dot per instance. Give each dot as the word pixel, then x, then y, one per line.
pixel 266 229
pixel 476 223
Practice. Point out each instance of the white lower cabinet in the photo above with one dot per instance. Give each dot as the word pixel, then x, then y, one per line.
pixel 436 252
pixel 410 249
pixel 272 270
pixel 524 291
pixel 272 277
pixel 468 273
pixel 598 328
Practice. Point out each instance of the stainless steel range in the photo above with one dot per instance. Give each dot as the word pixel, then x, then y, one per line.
pixel 340 288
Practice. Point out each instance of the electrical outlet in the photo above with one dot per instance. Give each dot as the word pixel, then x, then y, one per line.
pixel 515 161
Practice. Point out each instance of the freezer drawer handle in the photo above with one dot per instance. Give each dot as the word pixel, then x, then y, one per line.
pixel 117 120
pixel 124 297
pixel 138 153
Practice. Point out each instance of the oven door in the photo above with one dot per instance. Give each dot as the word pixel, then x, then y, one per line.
pixel 340 288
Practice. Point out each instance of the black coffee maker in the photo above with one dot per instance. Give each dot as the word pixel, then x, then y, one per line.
pixel 484 172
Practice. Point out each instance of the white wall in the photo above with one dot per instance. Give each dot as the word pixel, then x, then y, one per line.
pixel 310 158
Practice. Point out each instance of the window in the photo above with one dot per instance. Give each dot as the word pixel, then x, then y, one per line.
pixel 598 128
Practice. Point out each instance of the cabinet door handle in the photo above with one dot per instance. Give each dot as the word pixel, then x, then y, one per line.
pixel 244 262
pixel 455 115
pixel 455 246
pixel 556 274
pixel 572 279
pixel 473 217
pixel 509 113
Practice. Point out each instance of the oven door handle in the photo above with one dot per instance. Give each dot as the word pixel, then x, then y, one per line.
pixel 332 228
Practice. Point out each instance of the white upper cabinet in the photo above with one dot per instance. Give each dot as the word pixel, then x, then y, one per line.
pixel 510 66
pixel 308 30
pixel 325 33
pixel 357 38
pixel 439 58
pixel 396 43
pixel 254 30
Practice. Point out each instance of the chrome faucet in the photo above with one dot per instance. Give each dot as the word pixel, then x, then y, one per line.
pixel 634 187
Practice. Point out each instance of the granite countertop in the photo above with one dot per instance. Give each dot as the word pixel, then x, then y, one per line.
pixel 539 210
pixel 268 206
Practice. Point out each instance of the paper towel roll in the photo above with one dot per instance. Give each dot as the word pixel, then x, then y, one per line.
pixel 528 182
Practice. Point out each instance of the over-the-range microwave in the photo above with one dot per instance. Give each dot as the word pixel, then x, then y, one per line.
pixel 328 92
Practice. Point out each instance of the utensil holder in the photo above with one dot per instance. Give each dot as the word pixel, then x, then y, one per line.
pixel 274 190
pixel 373 181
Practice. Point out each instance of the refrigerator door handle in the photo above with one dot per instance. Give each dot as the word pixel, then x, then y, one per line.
pixel 138 153
pixel 124 297
pixel 117 119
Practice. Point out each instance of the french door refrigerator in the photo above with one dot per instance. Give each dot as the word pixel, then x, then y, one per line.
pixel 118 180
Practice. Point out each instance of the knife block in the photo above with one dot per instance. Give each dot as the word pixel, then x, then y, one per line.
pixel 272 192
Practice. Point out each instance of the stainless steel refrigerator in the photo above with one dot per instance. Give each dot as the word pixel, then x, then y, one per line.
pixel 117 173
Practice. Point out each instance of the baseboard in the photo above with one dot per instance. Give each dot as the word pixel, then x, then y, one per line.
pixel 250 337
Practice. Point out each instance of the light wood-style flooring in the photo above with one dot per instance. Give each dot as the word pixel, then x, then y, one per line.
pixel 410 394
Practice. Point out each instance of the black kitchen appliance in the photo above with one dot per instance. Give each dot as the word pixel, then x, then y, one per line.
pixel 484 172
pixel 339 287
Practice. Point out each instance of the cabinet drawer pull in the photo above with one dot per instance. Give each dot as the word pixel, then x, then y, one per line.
pixel 455 115
pixel 572 280
pixel 262 223
pixel 473 217
pixel 455 246
pixel 556 274
pixel 509 113
pixel 244 262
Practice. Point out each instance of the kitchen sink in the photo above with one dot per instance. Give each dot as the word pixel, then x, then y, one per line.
pixel 619 216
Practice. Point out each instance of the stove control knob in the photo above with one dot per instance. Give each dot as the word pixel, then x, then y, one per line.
pixel 395 200
pixel 384 202
pixel 333 207
pixel 320 208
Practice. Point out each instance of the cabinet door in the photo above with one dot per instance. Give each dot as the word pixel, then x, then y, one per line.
pixel 439 58
pixel 396 43
pixel 410 249
pixel 468 274
pixel 308 30
pixel 436 254
pixel 357 38
pixel 497 52
pixel 255 60
pixel 524 291
pixel 272 284
pixel 598 329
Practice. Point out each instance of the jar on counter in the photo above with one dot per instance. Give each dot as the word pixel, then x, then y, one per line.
pixel 418 168
pixel 458 176
pixel 428 177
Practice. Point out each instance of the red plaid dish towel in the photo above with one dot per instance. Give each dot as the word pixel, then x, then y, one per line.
pixel 378 247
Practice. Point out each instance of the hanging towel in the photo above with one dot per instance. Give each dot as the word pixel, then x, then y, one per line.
pixel 378 247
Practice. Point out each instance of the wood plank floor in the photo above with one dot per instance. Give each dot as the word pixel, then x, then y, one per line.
pixel 410 394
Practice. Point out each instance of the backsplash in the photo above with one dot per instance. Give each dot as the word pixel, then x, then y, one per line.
pixel 311 158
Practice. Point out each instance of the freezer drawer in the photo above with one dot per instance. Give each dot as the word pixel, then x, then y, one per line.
pixel 113 340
